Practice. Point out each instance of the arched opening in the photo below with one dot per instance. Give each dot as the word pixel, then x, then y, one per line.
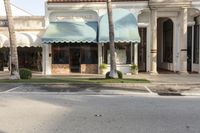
pixel 165 45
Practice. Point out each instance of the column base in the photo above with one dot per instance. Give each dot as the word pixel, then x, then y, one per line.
pixel 154 73
pixel 183 73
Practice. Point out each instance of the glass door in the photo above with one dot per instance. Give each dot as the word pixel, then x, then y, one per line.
pixel 75 59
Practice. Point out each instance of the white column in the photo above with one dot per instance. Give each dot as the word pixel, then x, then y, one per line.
pixel 183 41
pixel 175 52
pixel 176 49
pixel 100 57
pixel 136 54
pixel 47 59
pixel 148 55
pixel 153 69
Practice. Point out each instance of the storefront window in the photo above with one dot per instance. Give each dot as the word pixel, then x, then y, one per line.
pixel 30 57
pixel 4 58
pixel 123 53
pixel 89 54
pixel 60 54
pixel 196 45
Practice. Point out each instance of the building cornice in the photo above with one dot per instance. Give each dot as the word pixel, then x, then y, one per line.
pixel 25 17
pixel 23 30
pixel 196 4
pixel 154 4
pixel 96 5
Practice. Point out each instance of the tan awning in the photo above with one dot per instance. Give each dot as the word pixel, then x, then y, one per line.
pixel 23 40
pixel 3 40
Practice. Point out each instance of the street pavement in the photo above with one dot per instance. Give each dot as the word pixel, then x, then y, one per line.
pixel 96 89
pixel 61 113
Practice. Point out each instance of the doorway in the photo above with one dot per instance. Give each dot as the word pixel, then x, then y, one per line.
pixel 142 50
pixel 189 49
pixel 75 59
pixel 165 39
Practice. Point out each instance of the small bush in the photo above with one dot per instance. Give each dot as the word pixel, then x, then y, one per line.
pixel 103 66
pixel 25 73
pixel 134 67
pixel 119 74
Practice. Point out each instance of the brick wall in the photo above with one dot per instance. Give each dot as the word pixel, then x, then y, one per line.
pixel 89 68
pixel 59 69
pixel 62 69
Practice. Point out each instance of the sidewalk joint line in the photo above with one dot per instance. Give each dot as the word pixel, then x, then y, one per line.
pixel 148 90
pixel 15 88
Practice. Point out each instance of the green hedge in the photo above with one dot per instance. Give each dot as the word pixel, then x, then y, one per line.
pixel 25 73
pixel 119 74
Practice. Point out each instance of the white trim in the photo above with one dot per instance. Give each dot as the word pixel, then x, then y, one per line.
pixel 191 23
pixel 143 25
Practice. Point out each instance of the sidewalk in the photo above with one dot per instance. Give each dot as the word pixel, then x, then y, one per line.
pixel 162 83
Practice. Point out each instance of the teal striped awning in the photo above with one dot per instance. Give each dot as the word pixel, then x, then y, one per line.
pixel 125 27
pixel 60 32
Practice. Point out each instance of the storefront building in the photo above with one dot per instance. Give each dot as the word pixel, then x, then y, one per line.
pixel 155 35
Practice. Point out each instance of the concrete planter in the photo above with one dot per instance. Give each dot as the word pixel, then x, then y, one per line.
pixel 103 71
pixel 134 72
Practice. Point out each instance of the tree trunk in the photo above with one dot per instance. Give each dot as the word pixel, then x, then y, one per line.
pixel 113 72
pixel 14 68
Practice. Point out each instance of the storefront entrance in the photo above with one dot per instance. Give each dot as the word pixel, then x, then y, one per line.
pixel 75 59
pixel 165 39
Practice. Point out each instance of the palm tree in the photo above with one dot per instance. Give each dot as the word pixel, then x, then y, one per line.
pixel 113 72
pixel 14 67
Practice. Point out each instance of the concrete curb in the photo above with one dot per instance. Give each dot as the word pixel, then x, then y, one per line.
pixel 190 94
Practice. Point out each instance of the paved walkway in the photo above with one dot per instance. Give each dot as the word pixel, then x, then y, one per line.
pixel 172 78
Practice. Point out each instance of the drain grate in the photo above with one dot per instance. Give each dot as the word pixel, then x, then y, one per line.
pixel 98 115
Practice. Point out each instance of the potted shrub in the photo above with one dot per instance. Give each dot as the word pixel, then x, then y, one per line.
pixel 103 68
pixel 134 69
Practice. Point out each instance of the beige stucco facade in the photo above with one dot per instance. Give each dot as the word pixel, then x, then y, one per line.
pixel 150 16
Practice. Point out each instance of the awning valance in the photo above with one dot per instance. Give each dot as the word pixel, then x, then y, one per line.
pixel 22 39
pixel 60 32
pixel 125 27
pixel 3 40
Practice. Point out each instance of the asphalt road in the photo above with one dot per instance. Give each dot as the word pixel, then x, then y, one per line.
pixel 50 113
